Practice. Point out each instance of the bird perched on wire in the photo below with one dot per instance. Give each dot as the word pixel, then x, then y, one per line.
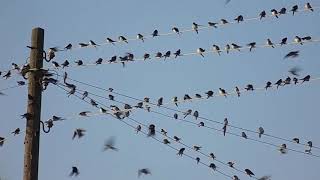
pixel 223 21
pixel 158 55
pixel 244 135
pixel 57 118
pixel 201 124
pixel 262 14
pixel 186 97
pixel 16 131
pixel 177 53
pixel 99 61
pixel 237 91
pixel 227 48
pixel 195 27
pixel 7 75
pixel 79 62
pixel 160 101
pixel 146 56
pixel 109 144
pixel 212 156
pixel 198 96
pixel 123 39
pixel 78 133
pixel 296 140
pixel 92 43
pixel 213 166
pixel 292 54
pixel 144 171
pixel 306 78
pixel 196 114
pixel 55 64
pixel 196 148
pixel 270 43
pixel 65 64
pixel 74 171
pixel 84 113
pixel 249 87
pixel 166 141
pixel 235 177
pixel 260 131
pixel 239 18
pixel 283 41
pixel 287 81
pixel 212 24
pixel 140 36
pixel 198 160
pixel 265 178
pixel 235 46
pixel 279 83
pixel 81 45
pixel 294 9
pixel 274 13
pixel 283 149
pixel 216 49
pixel 152 130
pixel 200 51
pixel 2 139
pixel 283 11
pixel 176 30
pixel 68 47
pixel 26 115
pixel 164 132
pixel 109 40
pixel 306 38
pixel 155 33
pixel 223 92
pixel 252 45
pixel 308 6
pixel 138 129
pixel 176 138
pixel 175 116
pixel 188 112
pixel 249 172
pixel 298 40
pixel 225 124
pixel 167 55
pixel 181 151
pixel 175 100
pixel 209 94
pixel 231 164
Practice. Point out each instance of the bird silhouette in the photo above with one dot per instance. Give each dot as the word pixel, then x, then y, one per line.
pixel 306 78
pixel 213 166
pixel 231 164
pixel 298 40
pixel 140 36
pixel 283 41
pixel 308 7
pixel 175 116
pixel 195 27
pixel 74 171
pixel 274 13
pixel 123 39
pixel 249 87
pixel 155 33
pixel 78 133
pixel 216 49
pixel 243 134
pixel 239 18
pixel 164 132
pixel 166 141
pixel 109 40
pixel 209 94
pixel 175 100
pixel 237 91
pixel 2 139
pixel 65 64
pixel 109 144
pixel 81 45
pixel 152 130
pixel 200 51
pixel 260 131
pixel 287 81
pixel 235 177
pixel 177 53
pixel 201 124
pixel 249 172
pixel 84 113
pixel 92 43
pixel 235 46
pixel 16 131
pixel 146 56
pixel 283 149
pixel 176 30
pixel 143 171
pixel 158 55
pixel 225 124
pixel 294 9
pixel 270 43
pixel 188 112
pixel 198 160
pixel 160 101
pixel 262 14
pixel 167 55
pixel 138 129
pixel 223 92
pixel 252 45
pixel 176 138
pixel 223 21
pixel 296 140
pixel 196 114
pixel 278 83
pixel 180 152
pixel 212 156
pixel 196 148
pixel 68 47
pixel 292 54
pixel 212 24
pixel 283 11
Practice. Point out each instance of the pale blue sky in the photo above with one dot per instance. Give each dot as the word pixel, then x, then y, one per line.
pixel 289 112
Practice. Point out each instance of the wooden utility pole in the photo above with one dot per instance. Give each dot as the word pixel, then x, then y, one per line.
pixel 32 138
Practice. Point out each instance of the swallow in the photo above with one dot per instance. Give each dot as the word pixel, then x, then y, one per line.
pixel 186 97
pixel 176 138
pixel 292 54
pixel 188 112
pixel 201 124
pixel 180 152
pixel 308 151
pixel 7 75
pixel 283 41
pixel 200 51
pixel 237 91
pixel 146 56
pixel 144 171
pixel 175 100
pixel 175 116
pixel 21 83
pixel 109 40
pixel 225 124
pixel 138 129
pixel 68 47
pixel 111 97
pixel 279 83
pixel 296 140
pixel 274 13
pixel 212 156
pixel 308 7
pixel 306 38
pixel 127 106
pixel 298 40
pixel 195 27
pixel 152 130
pixel 294 9
pixel 287 81
pixel 57 118
pixel 123 39
pixel 270 43
pixel 65 64
pixel 93 103
pixel 175 30
pixel 164 132
pixel 102 110
pixel 51 54
pixel 239 18
pixel 262 14
pixel 227 48
pixel 198 160
pixel 216 49
pixel 249 87
pixel 213 166
pixel 177 53
pixel 249 172
pixel 223 21
pixel 55 64
pixel 160 101
pixel 231 164
pixel 79 62
pixel 78 133
pixel 243 134
pixel 223 92
pixel 109 144
pixel 26 115
pixel 158 55
pixel 92 43
pixel 235 177
pixel 260 131
pixel 83 45
pixel 99 61
pixel 167 55
pixel 309 144
pixel 198 96
pixel 196 114
pixel 283 11
pixel 139 105
pixel 74 171
pixel 294 71
pixel 235 46
pixel 306 78
pixel 209 94
pixel 212 24
pixel 112 59
pixel 15 66
pixel 2 139
pixel 196 148
pixel 16 131
pixel 252 45
pixel 283 149
pixel 84 113
pixel 155 33
pixel 166 141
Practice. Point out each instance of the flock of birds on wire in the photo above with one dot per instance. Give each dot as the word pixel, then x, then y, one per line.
pixel 119 113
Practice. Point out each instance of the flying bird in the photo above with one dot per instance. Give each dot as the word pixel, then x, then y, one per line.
pixel 78 133
pixel 306 38
pixel 292 54
pixel 109 144
pixel 144 171
pixel 74 171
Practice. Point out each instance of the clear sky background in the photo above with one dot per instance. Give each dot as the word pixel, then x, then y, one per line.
pixel 288 112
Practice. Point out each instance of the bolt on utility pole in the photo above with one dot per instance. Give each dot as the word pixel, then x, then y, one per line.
pixel 32 137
